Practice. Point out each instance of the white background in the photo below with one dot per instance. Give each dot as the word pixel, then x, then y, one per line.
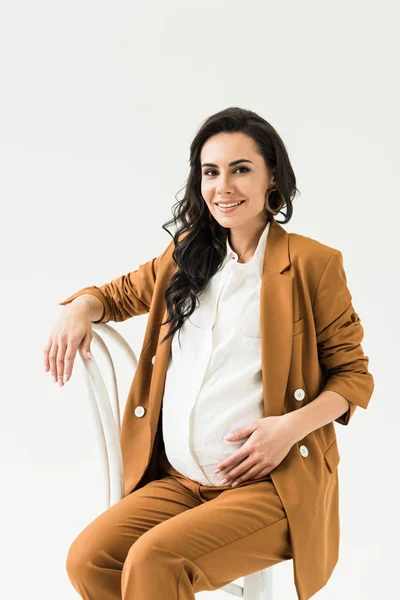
pixel 99 102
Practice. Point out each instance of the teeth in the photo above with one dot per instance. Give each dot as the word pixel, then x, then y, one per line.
pixel 228 205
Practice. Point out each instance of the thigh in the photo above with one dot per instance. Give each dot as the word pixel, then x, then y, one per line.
pixel 107 539
pixel 239 531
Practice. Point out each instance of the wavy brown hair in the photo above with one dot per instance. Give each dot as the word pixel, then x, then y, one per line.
pixel 202 250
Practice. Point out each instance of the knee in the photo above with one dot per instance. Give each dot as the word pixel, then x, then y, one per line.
pixel 150 550
pixel 140 552
pixel 147 551
pixel 80 556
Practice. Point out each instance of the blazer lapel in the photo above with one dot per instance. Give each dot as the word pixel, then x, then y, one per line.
pixel 276 319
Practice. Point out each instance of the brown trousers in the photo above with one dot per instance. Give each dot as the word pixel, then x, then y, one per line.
pixel 174 537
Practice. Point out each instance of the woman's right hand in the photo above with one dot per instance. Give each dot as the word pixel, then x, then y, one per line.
pixel 72 331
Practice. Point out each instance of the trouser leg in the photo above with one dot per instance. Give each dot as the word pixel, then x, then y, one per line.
pixel 96 557
pixel 239 531
pixel 174 537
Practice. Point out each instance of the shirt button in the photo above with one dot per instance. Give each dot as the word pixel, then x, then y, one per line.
pixel 304 450
pixel 299 394
pixel 139 411
pixel 153 359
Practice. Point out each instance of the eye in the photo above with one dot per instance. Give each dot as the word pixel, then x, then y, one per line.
pixel 211 171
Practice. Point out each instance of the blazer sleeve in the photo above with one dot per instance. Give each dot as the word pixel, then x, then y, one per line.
pixel 126 296
pixel 339 335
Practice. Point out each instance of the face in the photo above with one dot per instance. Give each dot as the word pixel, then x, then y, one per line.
pixel 247 180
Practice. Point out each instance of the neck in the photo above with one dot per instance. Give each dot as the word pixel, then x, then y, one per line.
pixel 244 240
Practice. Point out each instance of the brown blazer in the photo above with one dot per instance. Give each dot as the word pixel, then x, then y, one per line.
pixel 310 339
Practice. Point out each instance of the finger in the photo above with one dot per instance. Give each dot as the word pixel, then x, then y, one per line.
pixel 251 473
pixel 52 359
pixel 239 469
pixel 46 355
pixel 230 462
pixel 69 358
pixel 62 346
pixel 85 345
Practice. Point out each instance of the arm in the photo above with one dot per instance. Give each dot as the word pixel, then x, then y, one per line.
pixel 126 296
pixel 95 305
pixel 328 406
pixel 339 334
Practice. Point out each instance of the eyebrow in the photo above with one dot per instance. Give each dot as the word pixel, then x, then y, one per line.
pixel 231 164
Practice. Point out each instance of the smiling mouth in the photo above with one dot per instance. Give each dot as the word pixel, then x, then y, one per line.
pixel 229 207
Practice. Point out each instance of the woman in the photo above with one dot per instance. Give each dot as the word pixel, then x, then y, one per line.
pixel 268 348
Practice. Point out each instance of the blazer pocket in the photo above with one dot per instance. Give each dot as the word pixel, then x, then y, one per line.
pixel 298 326
pixel 332 456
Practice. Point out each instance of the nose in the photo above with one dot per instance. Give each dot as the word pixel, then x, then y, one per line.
pixel 224 187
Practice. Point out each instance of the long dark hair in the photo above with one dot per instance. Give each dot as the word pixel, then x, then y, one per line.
pixel 200 253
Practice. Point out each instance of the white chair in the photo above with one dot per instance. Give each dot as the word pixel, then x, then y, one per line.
pixel 105 406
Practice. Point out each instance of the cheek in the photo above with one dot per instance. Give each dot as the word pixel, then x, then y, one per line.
pixel 207 191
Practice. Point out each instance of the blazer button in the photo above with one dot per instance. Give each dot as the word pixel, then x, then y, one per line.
pixel 153 359
pixel 139 411
pixel 299 394
pixel 304 450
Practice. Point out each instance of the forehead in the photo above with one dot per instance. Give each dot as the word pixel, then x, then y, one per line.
pixel 224 147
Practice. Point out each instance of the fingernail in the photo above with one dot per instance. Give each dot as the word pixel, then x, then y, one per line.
pixel 88 355
pixel 234 483
pixel 65 379
pixel 223 481
pixel 60 382
pixel 217 470
pixel 54 378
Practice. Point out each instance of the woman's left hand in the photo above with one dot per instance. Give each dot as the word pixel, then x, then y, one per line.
pixel 270 440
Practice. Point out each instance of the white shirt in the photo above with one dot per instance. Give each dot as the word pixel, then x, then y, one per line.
pixel 214 380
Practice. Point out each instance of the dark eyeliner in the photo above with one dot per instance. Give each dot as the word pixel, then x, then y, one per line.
pixel 206 172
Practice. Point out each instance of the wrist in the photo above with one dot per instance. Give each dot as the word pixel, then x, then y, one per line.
pixel 77 306
pixel 294 427
pixel 79 302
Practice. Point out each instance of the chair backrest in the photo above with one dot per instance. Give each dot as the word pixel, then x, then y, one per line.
pixel 104 401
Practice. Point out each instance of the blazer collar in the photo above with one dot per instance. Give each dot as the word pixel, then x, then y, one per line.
pixel 276 258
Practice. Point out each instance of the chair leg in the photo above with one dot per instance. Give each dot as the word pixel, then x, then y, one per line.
pixel 267 588
pixel 252 586
pixel 258 586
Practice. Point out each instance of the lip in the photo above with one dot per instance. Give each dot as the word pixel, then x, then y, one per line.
pixel 231 209
pixel 228 202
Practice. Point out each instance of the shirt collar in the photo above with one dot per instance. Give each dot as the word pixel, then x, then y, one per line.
pixel 257 262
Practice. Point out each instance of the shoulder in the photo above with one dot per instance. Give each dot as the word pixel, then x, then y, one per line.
pixel 311 256
pixel 165 263
pixel 303 246
pixel 166 257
